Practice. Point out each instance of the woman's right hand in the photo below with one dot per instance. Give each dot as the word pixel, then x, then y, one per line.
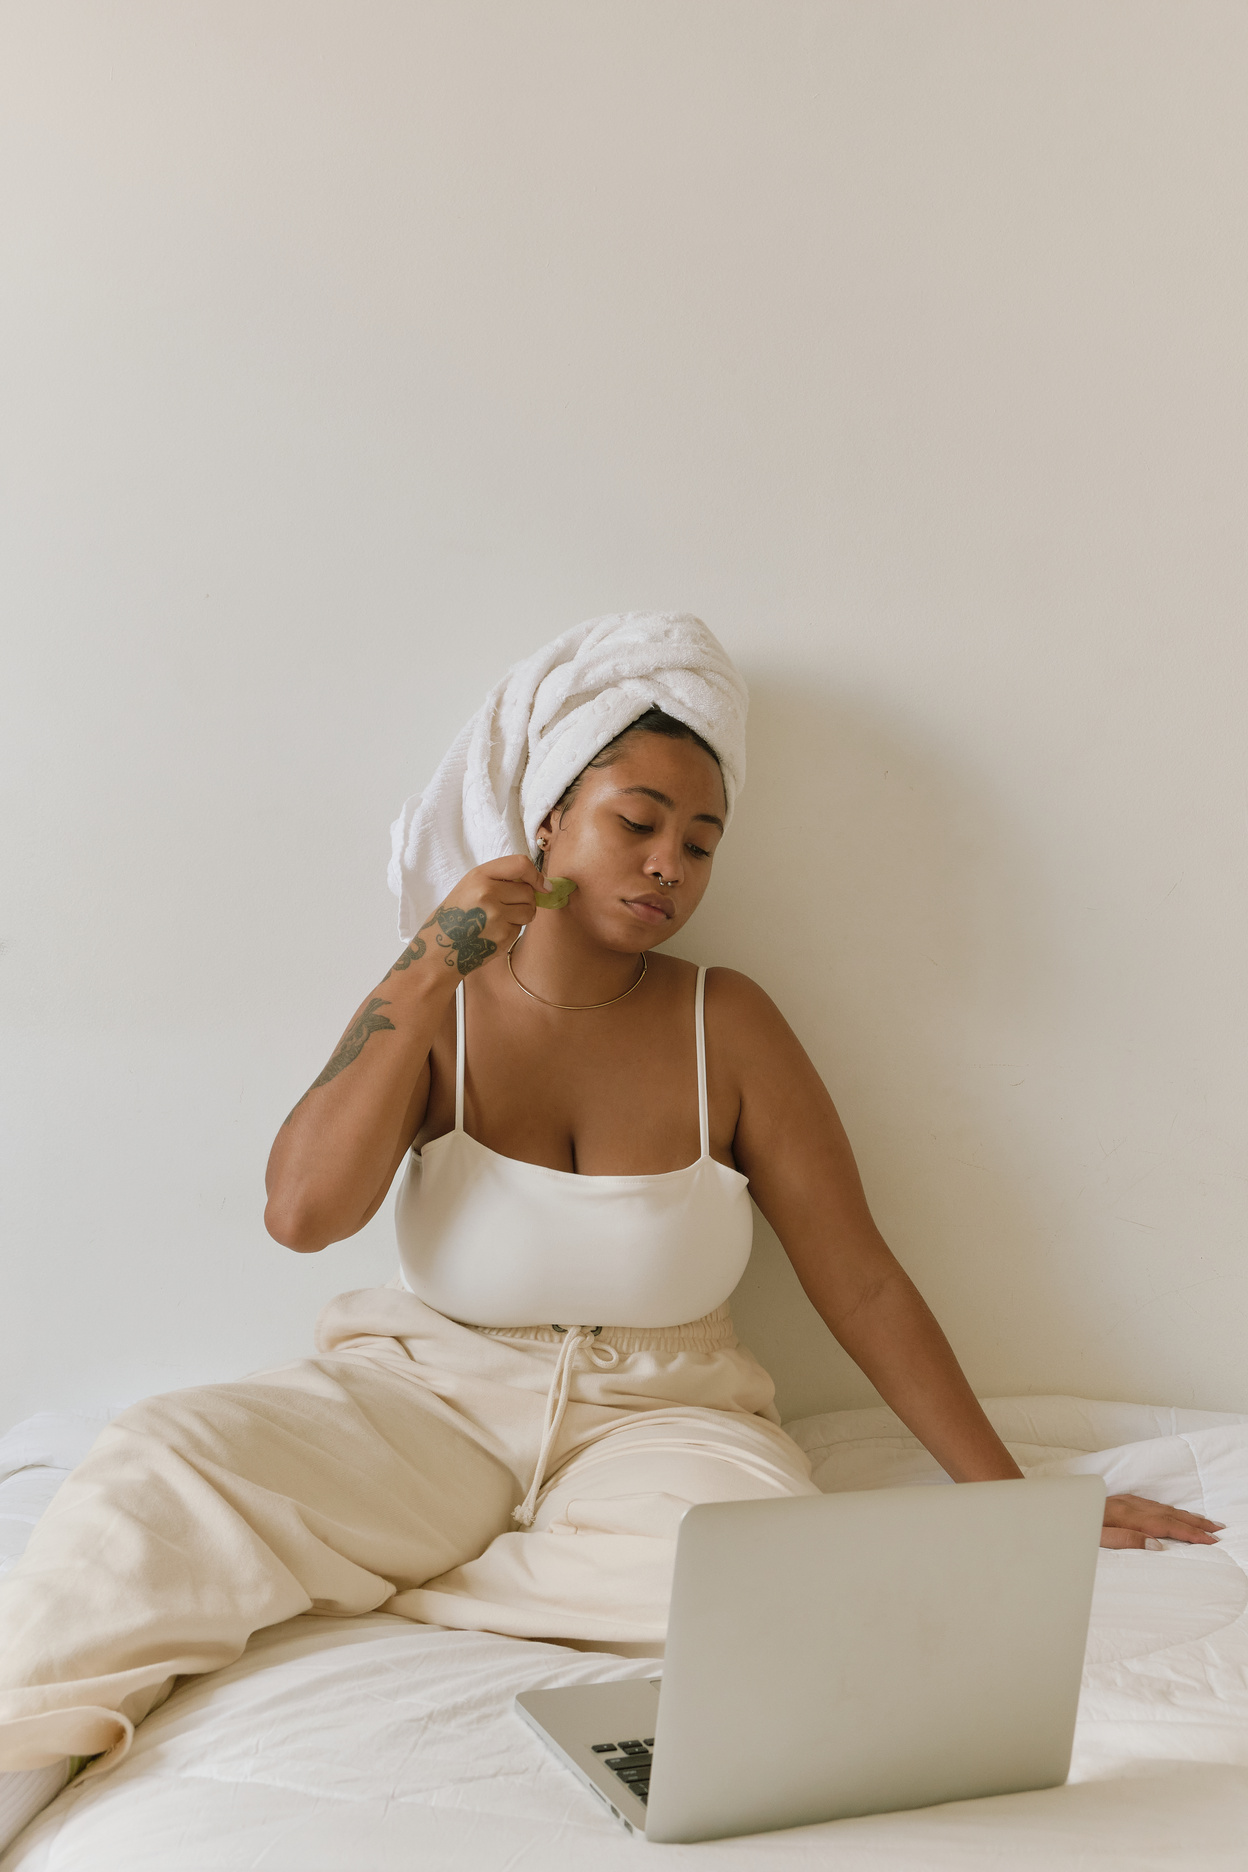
pixel 482 916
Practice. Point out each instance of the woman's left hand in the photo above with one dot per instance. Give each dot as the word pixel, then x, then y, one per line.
pixel 1131 1521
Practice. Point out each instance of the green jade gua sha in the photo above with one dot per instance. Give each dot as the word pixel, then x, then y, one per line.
pixel 556 898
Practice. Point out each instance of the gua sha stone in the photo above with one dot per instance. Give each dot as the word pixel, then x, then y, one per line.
pixel 556 898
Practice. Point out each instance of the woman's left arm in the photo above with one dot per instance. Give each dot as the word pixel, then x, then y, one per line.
pixel 791 1144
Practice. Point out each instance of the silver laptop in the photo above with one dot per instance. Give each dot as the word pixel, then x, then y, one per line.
pixel 847 1654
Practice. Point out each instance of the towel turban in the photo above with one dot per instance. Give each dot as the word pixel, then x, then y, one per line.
pixel 542 725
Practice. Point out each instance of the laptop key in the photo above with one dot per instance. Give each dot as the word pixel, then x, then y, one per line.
pixel 604 1748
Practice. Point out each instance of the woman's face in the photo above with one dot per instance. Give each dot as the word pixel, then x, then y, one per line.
pixel 656 812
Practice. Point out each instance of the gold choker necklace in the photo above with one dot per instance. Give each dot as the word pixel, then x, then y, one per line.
pixel 573 1007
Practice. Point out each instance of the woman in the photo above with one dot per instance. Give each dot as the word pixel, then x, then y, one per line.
pixel 584 1121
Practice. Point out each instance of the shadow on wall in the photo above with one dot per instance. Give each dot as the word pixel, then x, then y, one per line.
pixel 876 893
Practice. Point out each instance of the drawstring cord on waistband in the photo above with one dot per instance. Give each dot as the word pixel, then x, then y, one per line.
pixel 603 1356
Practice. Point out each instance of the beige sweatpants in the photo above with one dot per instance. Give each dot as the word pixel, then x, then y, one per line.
pixel 382 1474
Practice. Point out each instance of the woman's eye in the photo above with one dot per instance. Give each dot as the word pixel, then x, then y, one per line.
pixel 631 825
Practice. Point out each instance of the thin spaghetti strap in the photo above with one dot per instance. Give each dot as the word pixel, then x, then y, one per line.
pixel 704 1122
pixel 459 1057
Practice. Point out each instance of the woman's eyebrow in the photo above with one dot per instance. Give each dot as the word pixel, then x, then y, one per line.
pixel 663 800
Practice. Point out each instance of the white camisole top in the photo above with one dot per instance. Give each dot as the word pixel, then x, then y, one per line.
pixel 494 1241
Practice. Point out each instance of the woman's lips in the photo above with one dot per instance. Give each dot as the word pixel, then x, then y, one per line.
pixel 650 910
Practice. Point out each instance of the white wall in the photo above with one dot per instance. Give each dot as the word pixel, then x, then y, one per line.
pixel 352 350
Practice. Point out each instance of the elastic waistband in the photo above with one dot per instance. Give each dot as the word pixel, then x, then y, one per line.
pixel 712 1333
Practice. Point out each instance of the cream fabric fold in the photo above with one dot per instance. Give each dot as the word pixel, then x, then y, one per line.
pixel 380 1475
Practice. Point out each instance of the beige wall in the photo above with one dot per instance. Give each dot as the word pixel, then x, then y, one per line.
pixel 350 351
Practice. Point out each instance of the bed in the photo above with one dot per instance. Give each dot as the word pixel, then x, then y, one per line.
pixel 361 1745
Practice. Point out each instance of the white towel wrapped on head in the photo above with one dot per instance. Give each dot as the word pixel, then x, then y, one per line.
pixel 542 725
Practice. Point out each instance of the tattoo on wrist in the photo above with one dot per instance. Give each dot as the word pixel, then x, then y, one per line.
pixel 352 1044
pixel 415 949
pixel 461 934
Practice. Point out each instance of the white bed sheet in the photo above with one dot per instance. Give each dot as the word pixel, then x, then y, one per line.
pixel 337 1745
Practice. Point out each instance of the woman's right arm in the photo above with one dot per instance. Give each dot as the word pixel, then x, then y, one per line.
pixel 336 1154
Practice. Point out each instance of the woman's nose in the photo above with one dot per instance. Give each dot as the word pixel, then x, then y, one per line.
pixel 666 865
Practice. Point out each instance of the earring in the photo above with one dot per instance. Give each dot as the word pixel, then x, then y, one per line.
pixel 542 841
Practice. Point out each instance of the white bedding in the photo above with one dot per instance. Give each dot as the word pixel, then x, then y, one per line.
pixel 358 1745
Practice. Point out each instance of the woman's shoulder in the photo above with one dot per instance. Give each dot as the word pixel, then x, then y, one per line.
pixel 730 995
pixel 727 983
pixel 738 995
pixel 739 1011
pixel 748 1038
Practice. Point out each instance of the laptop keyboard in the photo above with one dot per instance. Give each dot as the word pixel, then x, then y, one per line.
pixel 630 1761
